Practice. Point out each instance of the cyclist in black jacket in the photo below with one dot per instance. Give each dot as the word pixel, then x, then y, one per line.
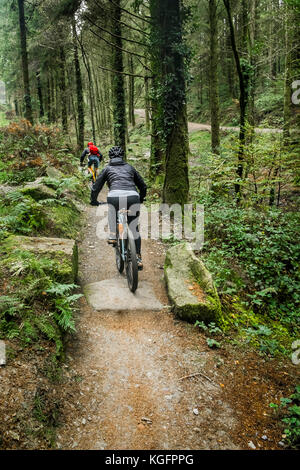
pixel 123 181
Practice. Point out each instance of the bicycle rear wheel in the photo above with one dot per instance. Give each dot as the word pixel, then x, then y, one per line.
pixel 119 259
pixel 131 263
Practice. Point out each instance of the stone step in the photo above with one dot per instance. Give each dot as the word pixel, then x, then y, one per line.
pixel 114 294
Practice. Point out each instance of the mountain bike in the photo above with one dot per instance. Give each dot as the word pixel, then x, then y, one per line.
pixel 91 169
pixel 94 172
pixel 126 251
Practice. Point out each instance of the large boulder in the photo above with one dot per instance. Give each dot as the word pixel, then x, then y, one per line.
pixel 38 190
pixel 190 286
pixel 53 172
pixel 63 250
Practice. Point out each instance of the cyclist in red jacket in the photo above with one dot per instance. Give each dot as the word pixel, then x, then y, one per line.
pixel 94 156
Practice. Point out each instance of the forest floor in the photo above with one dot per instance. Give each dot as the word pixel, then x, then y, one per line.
pixel 196 126
pixel 141 379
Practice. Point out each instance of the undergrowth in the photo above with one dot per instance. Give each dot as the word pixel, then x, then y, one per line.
pixel 288 410
pixel 37 295
pixel 252 249
pixel 38 300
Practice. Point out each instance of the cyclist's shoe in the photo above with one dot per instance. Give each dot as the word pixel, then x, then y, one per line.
pixel 112 240
pixel 95 203
pixel 139 262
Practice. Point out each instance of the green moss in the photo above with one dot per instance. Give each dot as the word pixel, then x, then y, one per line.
pixel 206 312
pixel 66 272
pixel 168 262
pixel 63 221
pixel 180 265
pixel 38 191
pixel 258 331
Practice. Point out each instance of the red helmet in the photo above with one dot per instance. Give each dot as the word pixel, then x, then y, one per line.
pixel 89 144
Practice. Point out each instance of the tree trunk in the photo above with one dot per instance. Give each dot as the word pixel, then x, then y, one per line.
pixel 52 88
pixel 79 91
pixel 40 93
pixel 27 97
pixel 48 98
pixel 131 116
pixel 229 62
pixel 287 82
pixel 270 41
pixel 98 105
pixel 157 146
pixel 243 83
pixel 147 104
pixel 16 107
pixel 214 88
pixel 157 153
pixel 252 39
pixel 176 182
pixel 64 110
pixel 91 92
pixel 117 82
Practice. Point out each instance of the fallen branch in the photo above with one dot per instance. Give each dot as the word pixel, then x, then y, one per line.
pixel 198 373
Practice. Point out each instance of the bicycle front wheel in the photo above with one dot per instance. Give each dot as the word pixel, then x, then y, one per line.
pixel 131 263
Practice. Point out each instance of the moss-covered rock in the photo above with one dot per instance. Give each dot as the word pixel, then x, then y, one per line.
pixel 38 190
pixel 53 172
pixel 190 286
pixel 63 250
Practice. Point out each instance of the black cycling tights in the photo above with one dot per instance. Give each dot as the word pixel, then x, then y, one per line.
pixel 125 202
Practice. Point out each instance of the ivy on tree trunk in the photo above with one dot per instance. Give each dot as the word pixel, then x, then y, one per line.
pixel 170 119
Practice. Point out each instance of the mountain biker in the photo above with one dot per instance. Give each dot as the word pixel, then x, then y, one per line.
pixel 123 181
pixel 94 155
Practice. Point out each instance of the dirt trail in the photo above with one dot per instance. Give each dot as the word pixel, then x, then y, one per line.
pixel 127 369
pixel 141 380
pixel 196 126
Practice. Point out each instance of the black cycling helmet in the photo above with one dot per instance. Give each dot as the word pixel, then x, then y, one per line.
pixel 116 152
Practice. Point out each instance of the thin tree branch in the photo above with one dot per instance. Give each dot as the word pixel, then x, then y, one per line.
pixel 145 66
pixel 117 47
pixel 114 35
pixel 122 73
pixel 132 14
pixel 122 22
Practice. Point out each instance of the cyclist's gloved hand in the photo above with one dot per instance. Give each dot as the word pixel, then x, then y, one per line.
pixel 95 203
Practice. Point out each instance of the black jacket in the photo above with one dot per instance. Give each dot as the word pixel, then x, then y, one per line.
pixel 119 175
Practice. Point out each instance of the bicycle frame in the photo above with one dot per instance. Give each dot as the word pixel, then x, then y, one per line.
pixel 93 171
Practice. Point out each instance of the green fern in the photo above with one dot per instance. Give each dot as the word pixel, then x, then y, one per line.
pixel 60 289
pixel 10 305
